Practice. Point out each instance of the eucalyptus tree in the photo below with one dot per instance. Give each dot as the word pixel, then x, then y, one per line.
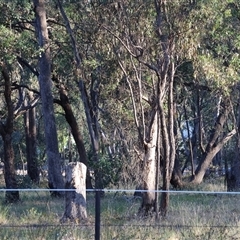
pixel 6 131
pixel 145 56
pixel 223 43
pixel 146 52
pixel 215 71
pixel 92 69
pixel 11 44
pixel 31 141
pixel 55 179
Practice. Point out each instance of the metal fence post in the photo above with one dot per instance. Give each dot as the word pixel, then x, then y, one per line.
pixel 97 213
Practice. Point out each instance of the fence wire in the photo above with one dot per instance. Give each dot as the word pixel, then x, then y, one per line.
pixel 191 215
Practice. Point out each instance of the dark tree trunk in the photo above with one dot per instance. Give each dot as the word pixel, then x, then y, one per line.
pixel 6 130
pixel 31 143
pixel 65 104
pixel 166 72
pixel 9 169
pixel 55 179
pixel 214 145
pixel 233 174
pixel 92 121
pixel 78 62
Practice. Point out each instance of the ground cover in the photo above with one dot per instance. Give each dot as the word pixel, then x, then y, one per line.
pixel 190 216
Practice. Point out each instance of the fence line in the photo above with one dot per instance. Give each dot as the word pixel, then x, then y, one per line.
pixel 116 190
pixel 115 225
pixel 97 221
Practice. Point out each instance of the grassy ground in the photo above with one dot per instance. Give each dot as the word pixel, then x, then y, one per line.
pixel 190 216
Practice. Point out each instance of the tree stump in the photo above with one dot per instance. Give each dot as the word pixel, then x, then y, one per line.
pixel 75 201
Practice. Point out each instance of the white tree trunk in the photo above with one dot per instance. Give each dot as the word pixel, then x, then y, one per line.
pixel 149 174
pixel 75 201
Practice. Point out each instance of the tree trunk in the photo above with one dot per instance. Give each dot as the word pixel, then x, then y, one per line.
pixel 214 145
pixel 92 122
pixel 65 104
pixel 78 62
pixel 31 143
pixel 55 180
pixel 149 169
pixel 6 130
pixel 232 175
pixel 75 201
pixel 9 169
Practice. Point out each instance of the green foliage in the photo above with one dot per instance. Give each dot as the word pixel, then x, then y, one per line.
pixel 24 181
pixel 206 38
pixel 109 168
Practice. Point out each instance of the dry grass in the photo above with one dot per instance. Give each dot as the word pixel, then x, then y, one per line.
pixel 190 216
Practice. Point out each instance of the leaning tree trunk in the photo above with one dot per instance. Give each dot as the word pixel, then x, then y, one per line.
pixel 214 145
pixel 75 200
pixel 69 116
pixel 55 180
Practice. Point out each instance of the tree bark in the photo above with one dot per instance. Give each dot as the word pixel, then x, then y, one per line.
pixel 9 170
pixel 31 143
pixel 149 168
pixel 92 122
pixel 165 73
pixel 232 175
pixel 69 116
pixel 214 145
pixel 75 201
pixel 6 130
pixel 55 180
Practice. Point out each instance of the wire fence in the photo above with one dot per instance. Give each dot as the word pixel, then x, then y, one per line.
pixel 191 215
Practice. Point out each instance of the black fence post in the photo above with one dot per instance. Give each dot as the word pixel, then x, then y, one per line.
pixel 97 213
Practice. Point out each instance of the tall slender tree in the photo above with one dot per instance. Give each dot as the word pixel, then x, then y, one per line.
pixel 55 179
pixel 6 131
pixel 31 141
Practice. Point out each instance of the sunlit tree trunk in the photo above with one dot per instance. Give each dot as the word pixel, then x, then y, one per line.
pixel 149 167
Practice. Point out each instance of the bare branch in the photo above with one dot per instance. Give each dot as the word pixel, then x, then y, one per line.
pixel 70 32
pixel 23 108
pixel 140 97
pixel 18 86
pixel 133 103
pixel 23 63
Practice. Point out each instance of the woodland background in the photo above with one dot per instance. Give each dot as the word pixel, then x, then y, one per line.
pixel 145 93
